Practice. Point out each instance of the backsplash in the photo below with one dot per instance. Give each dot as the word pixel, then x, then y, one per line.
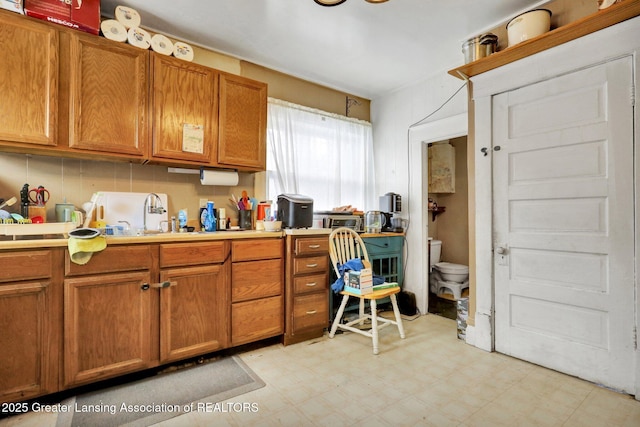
pixel 75 181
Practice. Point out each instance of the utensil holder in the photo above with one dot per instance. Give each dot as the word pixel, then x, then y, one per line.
pixel 244 220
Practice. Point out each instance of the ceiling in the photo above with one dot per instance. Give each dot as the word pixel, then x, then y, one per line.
pixel 360 48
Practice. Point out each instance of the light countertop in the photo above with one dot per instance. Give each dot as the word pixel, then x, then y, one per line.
pixel 36 242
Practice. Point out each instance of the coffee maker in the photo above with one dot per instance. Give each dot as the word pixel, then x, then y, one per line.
pixel 390 203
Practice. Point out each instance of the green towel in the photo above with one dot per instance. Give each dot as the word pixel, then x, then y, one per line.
pixel 82 249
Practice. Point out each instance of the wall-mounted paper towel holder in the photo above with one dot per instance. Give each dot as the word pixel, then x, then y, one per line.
pixel 210 176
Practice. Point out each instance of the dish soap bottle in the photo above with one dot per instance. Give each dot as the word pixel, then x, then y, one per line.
pixel 210 218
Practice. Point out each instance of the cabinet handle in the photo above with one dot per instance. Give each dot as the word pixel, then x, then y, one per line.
pixel 314 246
pixel 312 311
pixel 312 265
pixel 311 284
pixel 165 284
pixel 145 286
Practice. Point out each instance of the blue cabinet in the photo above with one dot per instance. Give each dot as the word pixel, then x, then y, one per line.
pixel 385 254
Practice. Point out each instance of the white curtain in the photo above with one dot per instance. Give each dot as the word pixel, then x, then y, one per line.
pixel 320 155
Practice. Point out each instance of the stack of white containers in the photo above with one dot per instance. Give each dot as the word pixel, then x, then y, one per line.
pixel 126 28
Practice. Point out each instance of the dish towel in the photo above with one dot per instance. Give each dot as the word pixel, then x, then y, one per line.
pixel 82 249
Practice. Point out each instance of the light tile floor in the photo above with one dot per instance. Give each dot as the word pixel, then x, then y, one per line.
pixel 428 379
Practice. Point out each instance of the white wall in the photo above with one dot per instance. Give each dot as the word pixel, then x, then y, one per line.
pixel 400 157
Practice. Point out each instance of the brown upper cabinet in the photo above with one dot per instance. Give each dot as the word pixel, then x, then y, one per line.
pixel 105 96
pixel 77 95
pixel 185 109
pixel 242 140
pixel 29 83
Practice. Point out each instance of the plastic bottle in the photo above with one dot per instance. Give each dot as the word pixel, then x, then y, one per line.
pixel 182 219
pixel 210 218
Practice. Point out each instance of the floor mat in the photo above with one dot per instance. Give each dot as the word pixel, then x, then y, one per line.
pixel 158 398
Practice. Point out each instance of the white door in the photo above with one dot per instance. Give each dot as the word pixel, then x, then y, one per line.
pixel 564 226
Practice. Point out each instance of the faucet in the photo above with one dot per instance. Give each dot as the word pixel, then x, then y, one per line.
pixel 152 205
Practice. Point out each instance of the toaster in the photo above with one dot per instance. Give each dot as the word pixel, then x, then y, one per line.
pixel 295 211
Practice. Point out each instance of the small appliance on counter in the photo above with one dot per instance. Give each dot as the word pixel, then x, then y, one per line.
pixel 336 219
pixel 390 203
pixel 295 211
pixel 374 221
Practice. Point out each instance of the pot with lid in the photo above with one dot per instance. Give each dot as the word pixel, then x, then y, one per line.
pixel 479 47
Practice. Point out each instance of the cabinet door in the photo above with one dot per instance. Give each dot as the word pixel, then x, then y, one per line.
pixel 29 83
pixel 184 110
pixel 25 341
pixel 243 123
pixel 194 311
pixel 30 313
pixel 108 96
pixel 107 326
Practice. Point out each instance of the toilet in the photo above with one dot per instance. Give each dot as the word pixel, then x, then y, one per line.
pixel 446 277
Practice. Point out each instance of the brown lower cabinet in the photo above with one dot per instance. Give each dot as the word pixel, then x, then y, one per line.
pixel 194 299
pixel 30 315
pixel 108 320
pixel 307 287
pixel 131 307
pixel 257 290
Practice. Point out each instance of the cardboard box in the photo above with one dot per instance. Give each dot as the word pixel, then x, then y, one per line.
pixel 359 282
pixel 12 5
pixel 83 15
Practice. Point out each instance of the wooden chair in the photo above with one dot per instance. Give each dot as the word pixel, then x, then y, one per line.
pixel 344 245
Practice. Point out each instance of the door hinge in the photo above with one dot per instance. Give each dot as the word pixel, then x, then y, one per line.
pixel 635 338
pixel 633 96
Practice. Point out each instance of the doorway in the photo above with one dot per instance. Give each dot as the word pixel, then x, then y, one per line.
pixel 449 222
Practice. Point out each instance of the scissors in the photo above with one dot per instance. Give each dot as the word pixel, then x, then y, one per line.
pixel 39 196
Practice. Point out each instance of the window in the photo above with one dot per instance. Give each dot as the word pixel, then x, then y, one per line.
pixel 320 155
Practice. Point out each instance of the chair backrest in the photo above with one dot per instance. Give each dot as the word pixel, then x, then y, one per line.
pixel 344 245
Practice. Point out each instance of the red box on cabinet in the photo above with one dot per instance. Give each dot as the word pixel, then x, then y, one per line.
pixel 83 15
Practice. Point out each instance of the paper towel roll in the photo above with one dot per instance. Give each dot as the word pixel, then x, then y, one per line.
pixel 161 44
pixel 212 177
pixel 113 30
pixel 139 38
pixel 128 17
pixel 183 51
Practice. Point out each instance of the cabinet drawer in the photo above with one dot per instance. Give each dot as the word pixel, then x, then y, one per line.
pixel 314 264
pixel 311 311
pixel 256 279
pixel 111 260
pixel 249 250
pixel 181 254
pixel 314 245
pixel 312 283
pixel 258 319
pixel 383 245
pixel 27 265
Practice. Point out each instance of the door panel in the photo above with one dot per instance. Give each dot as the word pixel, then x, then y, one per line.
pixel 563 220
